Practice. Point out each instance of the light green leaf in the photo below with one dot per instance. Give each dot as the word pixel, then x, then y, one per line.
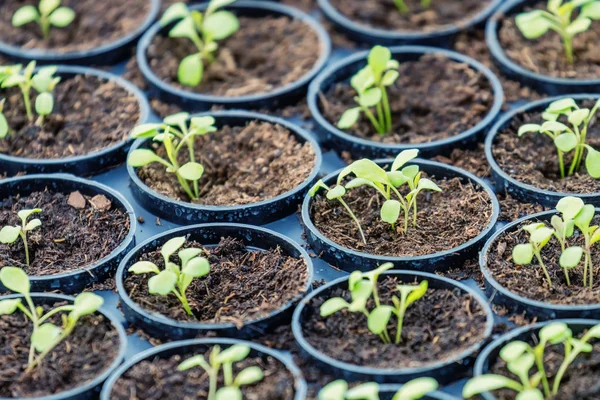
pixel 192 362
pixel 216 4
pixel 416 389
pixel 163 283
pixel 514 350
pixel 336 192
pixel 13 81
pixel 186 255
pixel 229 393
pixel 554 5
pixel 191 171
pixel 25 15
pixel 417 292
pixel 363 79
pixel 175 11
pixel 349 118
pixel 221 25
pixel 532 24
pixel 390 211
pixel 44 103
pixel 396 178
pixel 370 97
pixel 9 306
pixel 143 267
pixel 86 304
pixel 141 157
pixel 62 17
pixel 196 267
pixel 145 131
pixel 404 157
pixel 561 106
pixel 34 223
pixel 15 279
pixel 592 162
pixel 171 246
pixel 554 127
pixel 585 216
pixel 389 78
pixel 554 332
pixel 528 128
pixel 571 257
pixel 366 391
pixel 569 206
pixel 333 305
pixel 411 171
pixel 533 227
pixel 595 237
pixel 9 234
pixel 249 376
pixel 176 119
pixel 530 394
pixel 579 25
pixel 522 254
pixel 190 70
pixel 4 129
pixel 316 187
pixel 488 383
pixel 591 10
pixel 369 170
pixel 334 390
pixel 185 29
pixel 45 337
pixel 577 117
pixel 566 142
pixel 426 184
pixel 379 318
pixel 378 59
pixel 235 353
pixel 47 6
pixel 541 236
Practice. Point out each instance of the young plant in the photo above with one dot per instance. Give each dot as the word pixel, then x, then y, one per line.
pixel 403 8
pixel 521 358
pixel 370 84
pixel 559 18
pixel 224 360
pixel 10 234
pixel 45 335
pixel 47 14
pixel 175 133
pixel 413 390
pixel 174 278
pixel 539 236
pixel 204 30
pixel 583 218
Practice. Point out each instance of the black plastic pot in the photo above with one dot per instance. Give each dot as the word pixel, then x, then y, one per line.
pixel 362 33
pixel 188 347
pixel 527 333
pixel 74 281
pixel 358 147
pixel 90 390
pixel 106 54
pixel 254 237
pixel 259 213
pixel 88 164
pixel 442 371
pixel 519 304
pixel 522 191
pixel 541 83
pixel 351 260
pixel 283 96
pixel 387 391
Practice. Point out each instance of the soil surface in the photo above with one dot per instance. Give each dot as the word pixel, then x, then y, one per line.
pixel 89 114
pixel 242 165
pixel 243 285
pixel 437 327
pixel 283 51
pixel 76 231
pixel 97 23
pixel 85 354
pixel 546 55
pixel 512 209
pixel 434 98
pixel 532 158
pixel 471 160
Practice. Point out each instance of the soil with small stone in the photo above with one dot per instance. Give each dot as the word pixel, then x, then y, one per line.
pixel 90 114
pixel 90 349
pixel 242 165
pixel 76 232
pixel 97 23
pixel 434 98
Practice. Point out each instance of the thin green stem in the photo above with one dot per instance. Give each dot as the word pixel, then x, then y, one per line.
pixel 401 6
pixel 539 258
pixel 373 120
pixel 184 302
pixel 356 221
pixel 400 324
pixel 539 362
pixel 27 101
pixel 25 246
pixel 55 311
pixel 386 109
pixel 561 163
pixel 568 44
pixel 563 368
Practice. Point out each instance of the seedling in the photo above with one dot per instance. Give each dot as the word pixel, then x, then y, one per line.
pixel 403 8
pixel 559 18
pixel 370 84
pixel 225 359
pixel 413 390
pixel 47 14
pixel 45 335
pixel 175 132
pixel 174 278
pixel 521 358
pixel 10 234
pixel 569 139
pixel 204 30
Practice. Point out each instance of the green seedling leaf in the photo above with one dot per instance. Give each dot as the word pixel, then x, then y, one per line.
pixel 186 255
pixel 426 184
pixel 44 103
pixel 396 178
pixel 592 162
pixel 530 394
pixel 145 131
pixel 561 106
pixel 349 118
pixel 566 142
pixel 529 128
pixel 533 227
pixel 578 117
pixel 378 59
pixel 354 278
pixel 229 393
pixel 15 279
pixel 554 126
pixel 334 390
pixel 523 254
pixel 595 237
pixel 333 305
pixel 366 391
pixel 197 267
pixel 389 78
pixel 235 353
pixel 24 214
pixel 47 6
pixel 541 236
pixel 584 218
pixel 143 267
pixel 174 12
pixel 336 193
pixel 9 234
pixel 591 11
pixel 404 157
pixel 31 225
pixel 579 25
pixel 185 29
pixel 370 97
pixel 191 171
pixel 163 283
pixel 317 186
pixel 416 389
pixel 62 17
pixel 554 332
pixel 171 246
pixel 221 25
pixel 25 15
pixel 514 350
pixel 571 257
pixel 45 337
pixel 216 4
pixel 192 362
pixel 190 70
pixel 177 119
pixel 86 304
pixel 141 157
pixel 411 171
pixel 379 318
pixel 532 24
pixel 4 129
pixel 569 207
pixel 363 79
pixel 417 292
pixel 369 170
pixel 489 383
pixel 9 306
pixel 249 376
pixel 390 211
pixel 358 182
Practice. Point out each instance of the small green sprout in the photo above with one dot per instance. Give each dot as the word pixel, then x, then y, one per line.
pixel 174 133
pixel 10 234
pixel 403 8
pixel 203 30
pixel 558 17
pixel 539 236
pixel 413 390
pixel 47 14
pixel 225 359
pixel 45 335
pixel 520 358
pixel 370 84
pixel 174 279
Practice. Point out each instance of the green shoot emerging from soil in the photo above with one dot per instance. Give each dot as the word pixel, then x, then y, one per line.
pixel 403 8
pixel 521 358
pixel 224 360
pixel 47 14
pixel 175 278
pixel 413 390
pixel 362 287
pixel 370 84
pixel 569 139
pixel 176 132
pixel 203 30
pixel 45 335
pixel 559 18
pixel 10 234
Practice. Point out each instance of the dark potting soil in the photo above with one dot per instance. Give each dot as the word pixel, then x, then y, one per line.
pixel 89 114
pixel 546 55
pixel 532 158
pixel 512 209
pixel 86 353
pixel 471 160
pixel 433 99
pixel 528 280
pixel 437 327
pixel 445 220
pixel 71 236
pixel 97 23
pixel 263 55
pixel 242 165
pixel 243 285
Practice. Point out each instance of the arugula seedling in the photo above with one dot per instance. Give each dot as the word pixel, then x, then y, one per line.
pixel 10 234
pixel 539 236
pixel 174 279
pixel 225 359
pixel 204 30
pixel 413 390
pixel 403 8
pixel 174 133
pixel 559 18
pixel 591 234
pixel 45 335
pixel 47 14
